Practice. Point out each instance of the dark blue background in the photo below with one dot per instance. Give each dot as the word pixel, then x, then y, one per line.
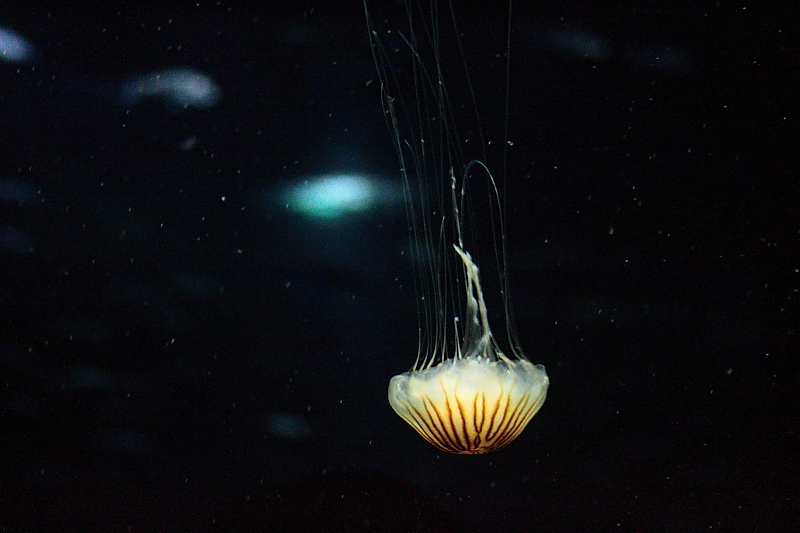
pixel 170 361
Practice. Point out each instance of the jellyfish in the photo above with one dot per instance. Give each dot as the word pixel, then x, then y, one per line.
pixel 467 392
pixel 478 400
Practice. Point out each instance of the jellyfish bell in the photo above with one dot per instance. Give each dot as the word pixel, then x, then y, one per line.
pixel 474 405
pixel 467 392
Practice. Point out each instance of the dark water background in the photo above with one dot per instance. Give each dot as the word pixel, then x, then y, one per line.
pixel 181 350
